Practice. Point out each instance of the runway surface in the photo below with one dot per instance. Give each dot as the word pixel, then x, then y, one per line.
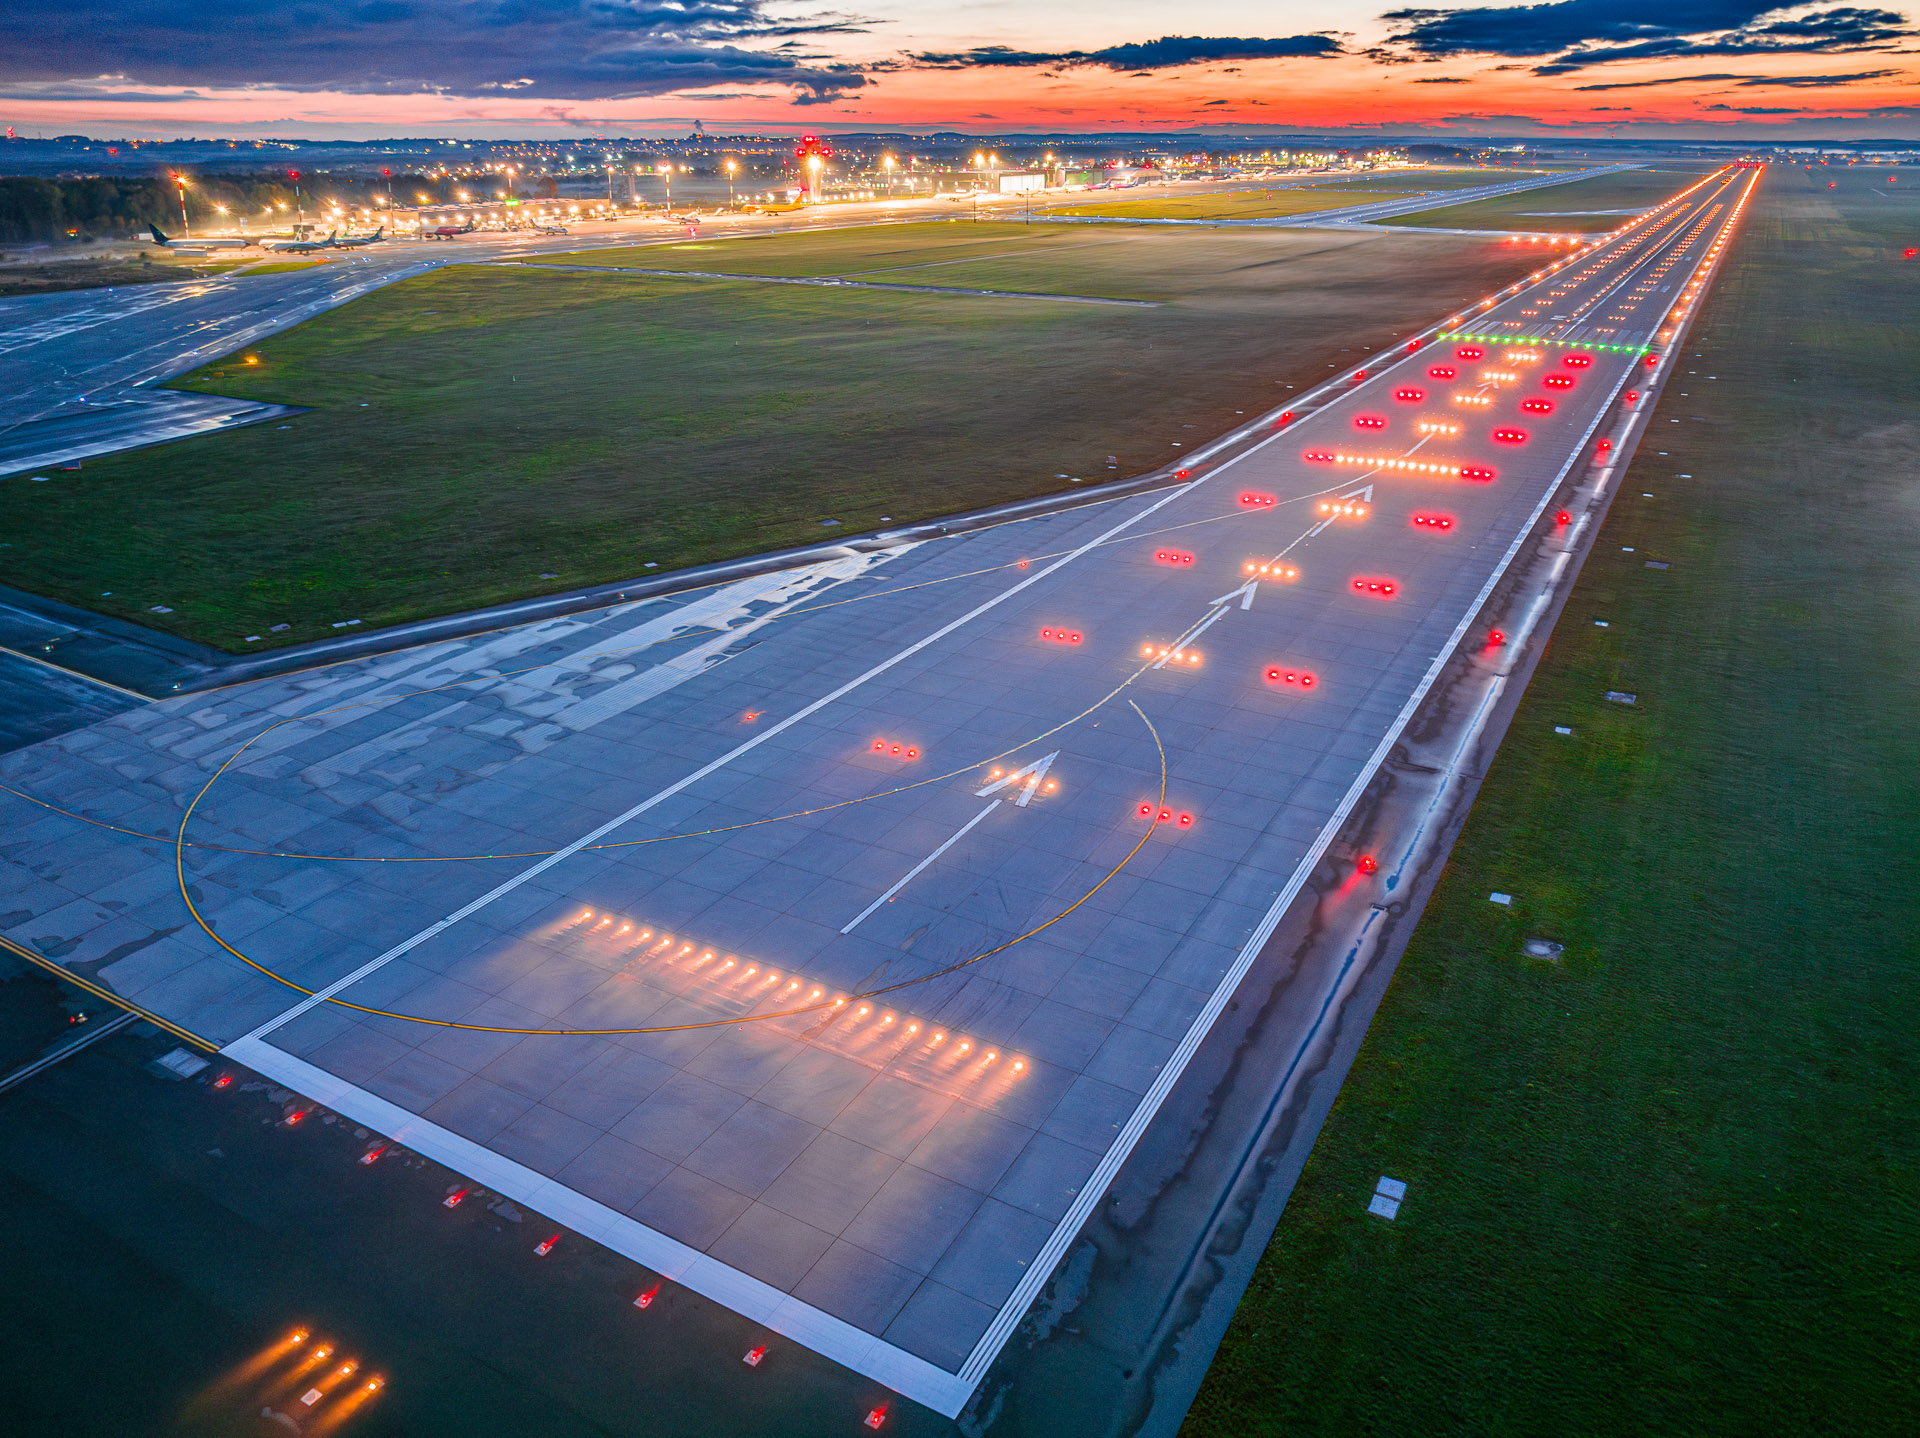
pixel 827 941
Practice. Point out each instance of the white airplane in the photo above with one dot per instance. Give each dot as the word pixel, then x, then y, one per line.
pixel 354 242
pixel 299 247
pixel 691 217
pixel 549 229
pixel 165 243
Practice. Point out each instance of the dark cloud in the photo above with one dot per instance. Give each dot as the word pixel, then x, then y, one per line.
pixel 1440 80
pixel 1762 109
pixel 1567 35
pixel 1166 53
pixel 1817 82
pixel 1670 80
pixel 557 49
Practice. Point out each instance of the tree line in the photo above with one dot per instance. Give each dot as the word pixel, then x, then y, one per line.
pixel 37 211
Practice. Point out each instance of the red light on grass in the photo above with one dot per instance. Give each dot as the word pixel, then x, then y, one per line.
pixel 452 1200
pixel 542 1250
pixel 1422 520
pixel 1506 434
pixel 224 1081
pixel 1537 406
pixel 876 1417
pixel 1172 556
pixel 1379 588
pixel 1368 864
pixel 645 1300
pixel 1909 253
pixel 1409 395
pixel 1253 500
pixel 754 1355
pixel 1369 421
pixel 1443 371
pixel 295 1117
pixel 372 1155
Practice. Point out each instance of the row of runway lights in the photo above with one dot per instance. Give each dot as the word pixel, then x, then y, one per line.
pixel 312 1367
pixel 765 986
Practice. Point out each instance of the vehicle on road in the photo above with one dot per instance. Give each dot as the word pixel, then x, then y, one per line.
pixel 299 247
pixel 192 245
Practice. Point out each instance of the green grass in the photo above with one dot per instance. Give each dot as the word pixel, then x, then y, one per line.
pixel 1417 180
pixel 1247 204
pixel 480 427
pixel 1557 208
pixel 1666 1185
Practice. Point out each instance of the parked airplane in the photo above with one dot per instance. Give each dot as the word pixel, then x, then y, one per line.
pixel 163 241
pixel 549 229
pixel 446 232
pixel 299 247
pixel 354 242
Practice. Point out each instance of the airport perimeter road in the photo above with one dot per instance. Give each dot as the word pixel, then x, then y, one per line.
pixel 826 942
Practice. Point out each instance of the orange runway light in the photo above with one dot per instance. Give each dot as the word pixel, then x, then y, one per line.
pixel 1271 569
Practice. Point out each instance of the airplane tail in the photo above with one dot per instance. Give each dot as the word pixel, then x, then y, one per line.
pixel 158 238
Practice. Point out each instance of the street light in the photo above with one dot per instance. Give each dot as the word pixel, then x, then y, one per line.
pixel 181 182
pixel 732 165
pixel 813 187
pixel 667 170
pixel 886 163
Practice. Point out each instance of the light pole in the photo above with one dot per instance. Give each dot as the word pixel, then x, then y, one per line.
pixel 667 170
pixel 813 185
pixel 732 165
pixel 180 181
pixel 886 163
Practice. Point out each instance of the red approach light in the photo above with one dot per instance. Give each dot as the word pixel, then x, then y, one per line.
pixel 1317 456
pixel 1829 184
pixel 1368 864
pixel 1480 473
pixel 1172 556
pixel 1185 821
pixel 1183 474
pixel 1496 637
pixel 1359 374
pixel 1252 500
pixel 1469 352
pixel 1633 396
pixel 1369 421
pixel 1286 417
pixel 1562 517
pixel 1380 588
pixel 1506 434
pixel 876 1417
pixel 1653 361
pixel 645 1300
pixel 897 750
pixel 295 1117
pixel 1412 345
pixel 1443 371
pixel 1577 361
pixel 1558 381
pixel 1604 445
pixel 1909 253
pixel 1537 406
pixel 372 1155
pixel 452 1200
pixel 1432 521
pixel 754 1355
pixel 224 1081
pixel 1409 395
pixel 1061 636
pixel 542 1250
pixel 1299 678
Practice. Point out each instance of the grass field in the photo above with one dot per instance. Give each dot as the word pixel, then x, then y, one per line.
pixel 1558 208
pixel 1419 180
pixel 1667 1184
pixel 483 433
pixel 1245 204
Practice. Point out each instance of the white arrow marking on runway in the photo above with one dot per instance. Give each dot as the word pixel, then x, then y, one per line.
pixel 1031 774
pixel 1244 594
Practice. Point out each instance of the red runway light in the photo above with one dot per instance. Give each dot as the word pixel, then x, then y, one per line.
pixel 645 1300
pixel 1537 406
pixel 754 1355
pixel 1146 811
pixel 1604 445
pixel 1383 588
pixel 1359 374
pixel 1185 821
pixel 1412 345
pixel 223 1081
pixel 1653 361
pixel 1061 636
pixel 1172 556
pixel 1183 474
pixel 1422 520
pixel 1476 472
pixel 876 1417
pixel 1909 253
pixel 452 1200
pixel 1506 434
pixel 542 1250
pixel 1285 418
pixel 879 746
pixel 1469 352
pixel 1368 864
pixel 372 1155
pixel 1577 361
pixel 1563 518
pixel 1253 500
pixel 1558 381
pixel 1317 456
pixel 1495 636
pixel 1443 371
pixel 1369 421
pixel 295 1117
pixel 1409 395
pixel 1633 396
pixel 1299 678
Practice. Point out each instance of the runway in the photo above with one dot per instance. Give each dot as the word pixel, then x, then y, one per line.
pixel 827 941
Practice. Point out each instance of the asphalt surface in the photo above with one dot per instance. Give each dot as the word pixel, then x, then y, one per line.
pixel 850 1040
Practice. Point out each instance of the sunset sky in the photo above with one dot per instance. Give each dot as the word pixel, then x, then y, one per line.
pixel 367 68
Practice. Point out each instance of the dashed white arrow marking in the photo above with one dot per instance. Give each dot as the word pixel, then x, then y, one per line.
pixel 1028 777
